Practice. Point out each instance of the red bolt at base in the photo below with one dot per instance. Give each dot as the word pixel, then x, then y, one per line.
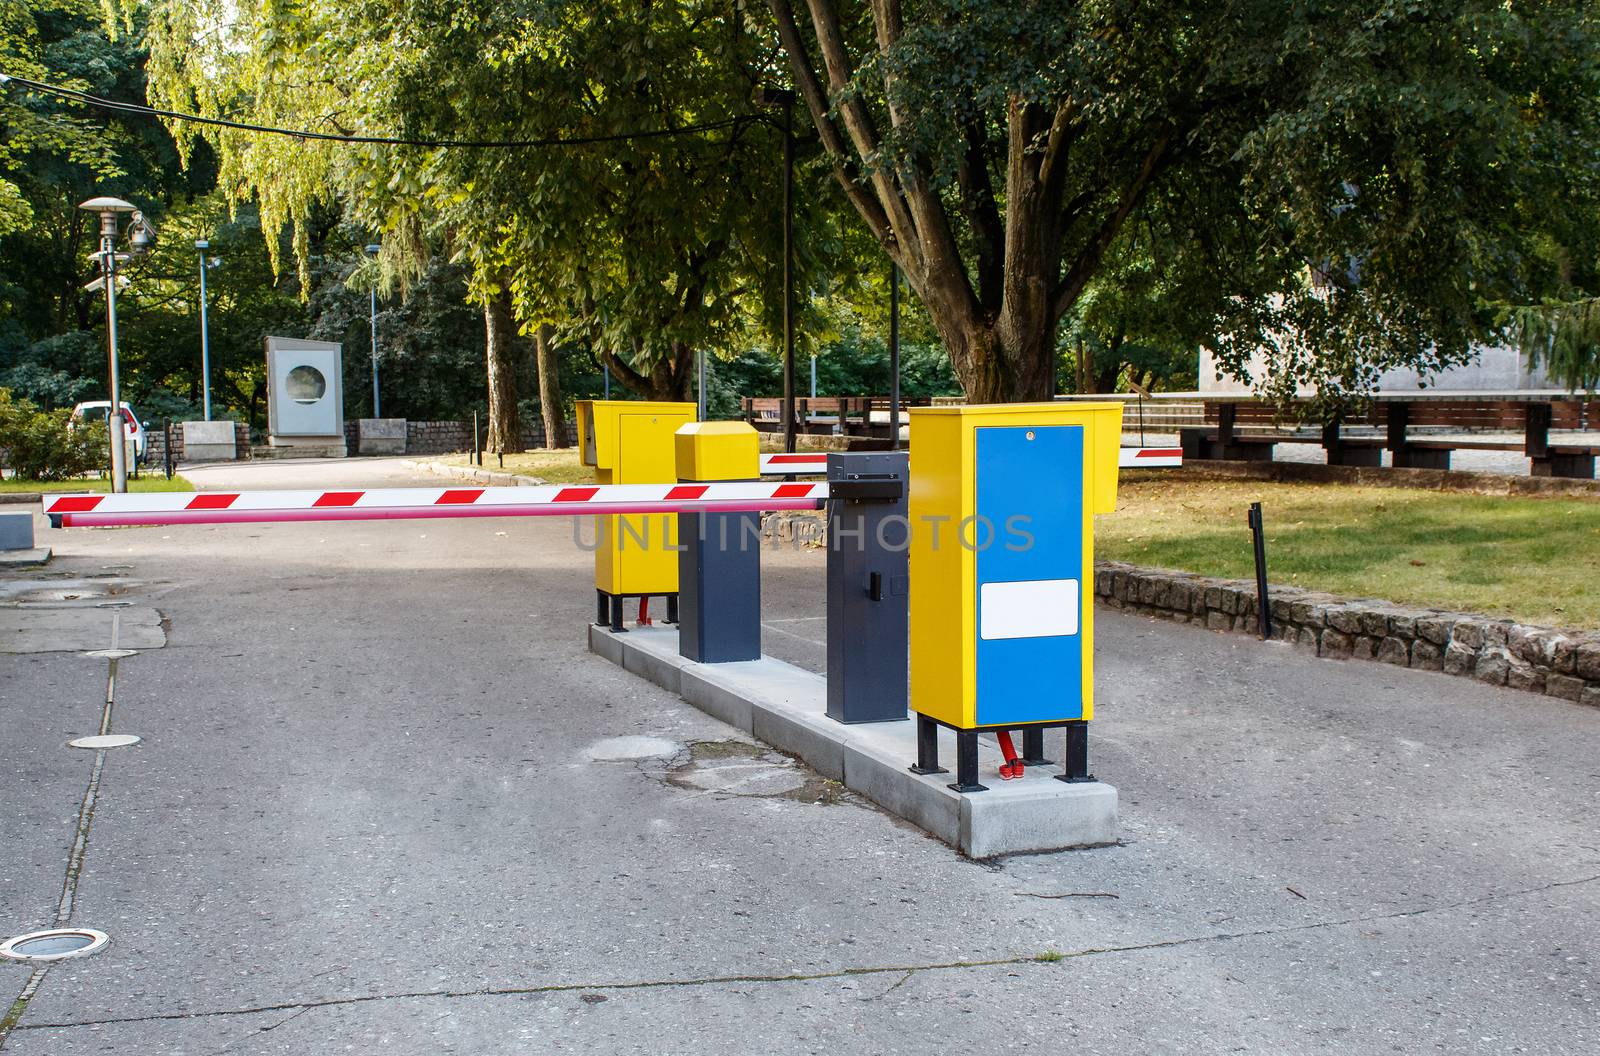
pixel 1012 768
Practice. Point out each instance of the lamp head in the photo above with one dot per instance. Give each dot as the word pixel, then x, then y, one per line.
pixel 108 205
pixel 201 243
pixel 372 249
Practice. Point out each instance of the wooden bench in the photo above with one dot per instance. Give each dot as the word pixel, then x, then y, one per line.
pixel 846 415
pixel 1396 415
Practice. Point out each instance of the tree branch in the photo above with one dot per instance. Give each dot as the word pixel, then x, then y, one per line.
pixel 978 204
pixel 805 75
pixel 858 124
pixel 1083 268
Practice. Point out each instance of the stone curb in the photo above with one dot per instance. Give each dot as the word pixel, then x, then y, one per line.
pixel 482 476
pixel 1501 652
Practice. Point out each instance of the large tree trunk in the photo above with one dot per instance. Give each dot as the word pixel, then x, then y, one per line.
pixel 670 380
pixel 550 409
pixel 505 424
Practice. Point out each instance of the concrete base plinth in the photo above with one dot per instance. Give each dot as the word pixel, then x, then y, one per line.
pixel 277 447
pixel 786 707
pixel 34 555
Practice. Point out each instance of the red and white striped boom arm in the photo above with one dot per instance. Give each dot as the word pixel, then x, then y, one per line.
pixel 551 500
pixel 556 500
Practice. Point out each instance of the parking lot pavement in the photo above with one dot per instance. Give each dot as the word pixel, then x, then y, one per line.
pixel 386 801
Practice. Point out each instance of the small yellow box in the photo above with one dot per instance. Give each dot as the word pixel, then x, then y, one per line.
pixel 631 442
pixel 718 451
pixel 1002 504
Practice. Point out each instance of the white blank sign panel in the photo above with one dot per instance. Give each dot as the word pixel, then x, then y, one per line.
pixel 1034 608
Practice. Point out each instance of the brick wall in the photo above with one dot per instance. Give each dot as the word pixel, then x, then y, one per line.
pixel 438 438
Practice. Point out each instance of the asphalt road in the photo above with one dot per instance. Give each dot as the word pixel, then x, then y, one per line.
pixel 385 801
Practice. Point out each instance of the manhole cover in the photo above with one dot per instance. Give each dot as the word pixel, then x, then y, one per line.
pixel 106 740
pixel 56 944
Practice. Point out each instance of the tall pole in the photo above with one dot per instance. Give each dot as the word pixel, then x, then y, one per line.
pixel 788 273
pixel 373 248
pixel 205 338
pixel 374 327
pixel 894 358
pixel 700 383
pixel 108 269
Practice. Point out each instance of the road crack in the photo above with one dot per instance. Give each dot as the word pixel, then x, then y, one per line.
pixel 1040 960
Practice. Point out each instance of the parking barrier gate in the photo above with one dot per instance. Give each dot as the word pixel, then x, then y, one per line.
pixel 555 500
pixel 1004 638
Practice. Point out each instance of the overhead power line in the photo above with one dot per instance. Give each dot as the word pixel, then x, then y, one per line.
pixel 141 110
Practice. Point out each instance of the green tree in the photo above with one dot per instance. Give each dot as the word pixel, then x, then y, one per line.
pixel 1000 151
pixel 646 249
pixel 53 155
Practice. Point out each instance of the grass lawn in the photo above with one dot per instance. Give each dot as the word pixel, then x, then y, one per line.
pixel 146 482
pixel 558 467
pixel 1535 560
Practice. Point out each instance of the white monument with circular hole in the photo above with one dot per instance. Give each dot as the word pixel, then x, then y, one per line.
pixel 305 397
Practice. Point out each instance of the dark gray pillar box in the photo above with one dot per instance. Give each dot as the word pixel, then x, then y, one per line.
pixel 719 587
pixel 869 586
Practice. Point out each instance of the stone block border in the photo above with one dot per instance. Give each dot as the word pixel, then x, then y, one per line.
pixel 1501 652
pixel 482 476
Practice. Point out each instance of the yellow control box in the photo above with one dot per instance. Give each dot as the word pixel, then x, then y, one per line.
pixel 631 442
pixel 718 451
pixel 1002 505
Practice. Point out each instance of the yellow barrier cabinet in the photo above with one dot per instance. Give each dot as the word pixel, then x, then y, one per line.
pixel 1002 505
pixel 718 451
pixel 631 442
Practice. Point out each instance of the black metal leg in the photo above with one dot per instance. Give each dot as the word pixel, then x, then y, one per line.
pixel 616 614
pixel 1033 748
pixel 672 608
pixel 967 763
pixel 1075 768
pixel 927 747
pixel 603 608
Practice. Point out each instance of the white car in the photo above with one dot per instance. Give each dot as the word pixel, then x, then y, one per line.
pixel 100 410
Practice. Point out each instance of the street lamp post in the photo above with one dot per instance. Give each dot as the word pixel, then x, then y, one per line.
pixel 205 336
pixel 108 210
pixel 372 251
pixel 783 97
pixel 894 357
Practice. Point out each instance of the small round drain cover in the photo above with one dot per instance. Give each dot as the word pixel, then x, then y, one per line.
pixel 57 944
pixel 112 654
pixel 105 740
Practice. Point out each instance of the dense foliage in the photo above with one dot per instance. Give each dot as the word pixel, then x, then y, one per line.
pixel 47 445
